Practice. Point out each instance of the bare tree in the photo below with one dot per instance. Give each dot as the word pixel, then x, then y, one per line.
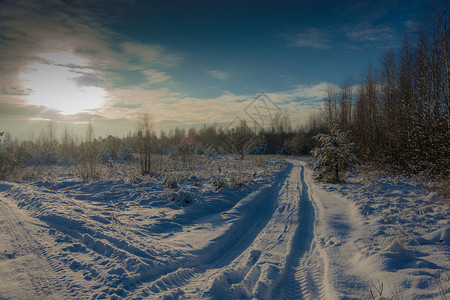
pixel 89 155
pixel 240 139
pixel 67 142
pixel 330 105
pixel 145 138
pixel 345 103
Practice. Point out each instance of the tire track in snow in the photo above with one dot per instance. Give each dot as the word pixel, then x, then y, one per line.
pixel 302 277
pixel 311 270
pixel 37 278
pixel 228 247
pixel 88 257
pixel 245 269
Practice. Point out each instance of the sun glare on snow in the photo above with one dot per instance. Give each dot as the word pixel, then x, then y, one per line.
pixel 53 84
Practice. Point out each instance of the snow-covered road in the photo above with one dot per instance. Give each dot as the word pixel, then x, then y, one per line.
pixel 26 271
pixel 264 252
pixel 290 238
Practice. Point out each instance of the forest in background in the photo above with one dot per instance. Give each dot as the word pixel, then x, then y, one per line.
pixel 399 115
pixel 397 112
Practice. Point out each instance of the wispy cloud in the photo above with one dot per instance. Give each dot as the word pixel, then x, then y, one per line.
pixel 218 74
pixel 309 38
pixel 347 37
pixel 20 111
pixel 411 25
pixel 312 94
pixel 369 33
pixel 169 109
pixel 300 101
pixel 163 105
pixel 152 54
pixel 155 76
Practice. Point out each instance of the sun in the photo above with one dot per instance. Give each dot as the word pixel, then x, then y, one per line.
pixel 55 82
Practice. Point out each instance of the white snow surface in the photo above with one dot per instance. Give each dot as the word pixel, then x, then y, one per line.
pixel 287 237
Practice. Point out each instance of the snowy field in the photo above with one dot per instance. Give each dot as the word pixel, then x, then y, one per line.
pixel 262 229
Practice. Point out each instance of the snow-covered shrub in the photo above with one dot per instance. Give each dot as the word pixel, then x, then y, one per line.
pixel 185 152
pixel 171 183
pixel 199 150
pixel 46 158
pixel 126 156
pixel 260 147
pixel 182 197
pixel 259 161
pixel 7 163
pixel 240 180
pixel 173 151
pixel 88 167
pixel 334 155
pixel 195 180
pixel 211 151
pixel 105 158
pixel 24 157
pixel 219 183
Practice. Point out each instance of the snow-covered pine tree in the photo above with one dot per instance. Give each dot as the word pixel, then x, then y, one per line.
pixel 334 155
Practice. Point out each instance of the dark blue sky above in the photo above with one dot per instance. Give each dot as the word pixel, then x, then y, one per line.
pixel 185 62
pixel 254 42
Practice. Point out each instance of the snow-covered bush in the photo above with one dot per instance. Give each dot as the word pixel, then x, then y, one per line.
pixel 105 158
pixel 219 183
pixel 24 157
pixel 125 155
pixel 240 180
pixel 211 151
pixel 8 160
pixel 334 155
pixel 260 147
pixel 46 158
pixel 7 163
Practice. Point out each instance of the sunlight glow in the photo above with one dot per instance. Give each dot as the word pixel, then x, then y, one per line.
pixel 53 84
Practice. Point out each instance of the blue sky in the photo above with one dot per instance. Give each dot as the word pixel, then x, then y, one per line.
pixel 185 63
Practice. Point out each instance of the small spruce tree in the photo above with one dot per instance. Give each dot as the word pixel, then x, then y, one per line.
pixel 334 155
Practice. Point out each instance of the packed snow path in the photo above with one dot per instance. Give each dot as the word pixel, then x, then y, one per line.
pixel 266 251
pixel 26 271
pixel 289 238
